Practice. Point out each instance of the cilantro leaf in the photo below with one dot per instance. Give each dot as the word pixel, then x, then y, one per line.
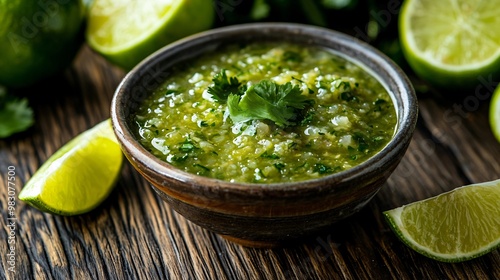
pixel 270 101
pixel 15 115
pixel 224 86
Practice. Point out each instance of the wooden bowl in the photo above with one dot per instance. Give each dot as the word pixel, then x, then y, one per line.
pixel 264 214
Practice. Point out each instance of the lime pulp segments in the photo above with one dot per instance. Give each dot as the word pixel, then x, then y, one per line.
pixel 451 43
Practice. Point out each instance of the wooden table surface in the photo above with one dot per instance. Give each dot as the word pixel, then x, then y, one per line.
pixel 135 235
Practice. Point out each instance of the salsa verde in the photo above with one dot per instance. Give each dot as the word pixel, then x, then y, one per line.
pixel 346 116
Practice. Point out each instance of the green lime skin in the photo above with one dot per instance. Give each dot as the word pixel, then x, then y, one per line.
pixel 38 39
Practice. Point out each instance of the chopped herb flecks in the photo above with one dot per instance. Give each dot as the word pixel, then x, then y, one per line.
pixel 269 156
pixel 280 166
pixel 187 146
pixel 322 168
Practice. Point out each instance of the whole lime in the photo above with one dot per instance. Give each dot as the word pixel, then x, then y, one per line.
pixel 127 31
pixel 38 38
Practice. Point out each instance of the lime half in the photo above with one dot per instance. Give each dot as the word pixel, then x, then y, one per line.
pixel 79 176
pixel 451 43
pixel 127 31
pixel 495 114
pixel 455 226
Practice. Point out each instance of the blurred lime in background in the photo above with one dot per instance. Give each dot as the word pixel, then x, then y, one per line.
pixel 127 31
pixel 495 114
pixel 38 39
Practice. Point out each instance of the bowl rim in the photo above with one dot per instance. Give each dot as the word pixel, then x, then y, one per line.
pixel 406 121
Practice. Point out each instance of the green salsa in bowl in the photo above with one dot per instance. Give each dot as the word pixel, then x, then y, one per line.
pixel 345 115
pixel 265 133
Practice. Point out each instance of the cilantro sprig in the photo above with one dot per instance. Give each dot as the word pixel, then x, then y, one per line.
pixel 266 100
pixel 15 114
pixel 224 86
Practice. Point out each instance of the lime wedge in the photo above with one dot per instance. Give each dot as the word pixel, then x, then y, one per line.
pixel 455 226
pixel 495 113
pixel 79 176
pixel 127 31
pixel 451 43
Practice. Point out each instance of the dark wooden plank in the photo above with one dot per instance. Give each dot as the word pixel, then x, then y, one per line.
pixel 135 235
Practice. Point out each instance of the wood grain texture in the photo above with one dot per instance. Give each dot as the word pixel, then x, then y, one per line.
pixel 135 235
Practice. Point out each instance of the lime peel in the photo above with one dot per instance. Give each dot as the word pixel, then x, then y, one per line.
pixel 436 222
